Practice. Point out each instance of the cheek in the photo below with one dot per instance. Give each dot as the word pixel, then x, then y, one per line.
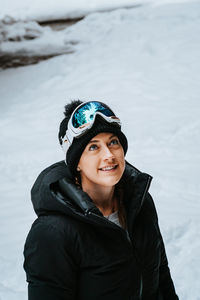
pixel 88 164
pixel 120 156
pixel 121 160
pixel 89 171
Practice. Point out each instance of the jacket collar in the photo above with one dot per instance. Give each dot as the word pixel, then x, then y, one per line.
pixel 55 192
pixel 135 185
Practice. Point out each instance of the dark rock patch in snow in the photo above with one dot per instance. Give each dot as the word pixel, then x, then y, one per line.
pixel 60 24
pixel 28 42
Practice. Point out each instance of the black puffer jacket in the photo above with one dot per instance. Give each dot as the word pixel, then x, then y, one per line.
pixel 73 253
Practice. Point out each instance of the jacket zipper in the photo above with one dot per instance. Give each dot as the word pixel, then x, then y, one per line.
pixel 134 247
pixel 146 189
pixel 131 243
pixel 113 225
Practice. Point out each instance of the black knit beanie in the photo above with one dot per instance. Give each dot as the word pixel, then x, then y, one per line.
pixel 76 149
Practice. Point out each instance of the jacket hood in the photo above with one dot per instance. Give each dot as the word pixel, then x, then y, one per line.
pixel 54 192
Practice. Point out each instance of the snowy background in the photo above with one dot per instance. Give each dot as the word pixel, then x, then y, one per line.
pixel 144 61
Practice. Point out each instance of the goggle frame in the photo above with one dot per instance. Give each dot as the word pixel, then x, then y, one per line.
pixel 73 132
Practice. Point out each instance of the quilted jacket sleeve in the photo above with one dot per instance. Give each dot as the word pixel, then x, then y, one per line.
pixel 49 263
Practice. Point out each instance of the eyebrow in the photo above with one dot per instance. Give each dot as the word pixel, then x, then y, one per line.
pixel 96 141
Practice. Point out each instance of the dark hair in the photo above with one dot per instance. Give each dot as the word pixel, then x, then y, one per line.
pixel 121 209
pixel 119 194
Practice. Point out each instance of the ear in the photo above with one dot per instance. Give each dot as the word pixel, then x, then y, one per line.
pixel 78 169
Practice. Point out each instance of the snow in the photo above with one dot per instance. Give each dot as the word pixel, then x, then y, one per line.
pixel 30 39
pixel 51 10
pixel 144 62
pixel 41 11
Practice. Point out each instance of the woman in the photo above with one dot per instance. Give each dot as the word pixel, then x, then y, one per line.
pixel 97 235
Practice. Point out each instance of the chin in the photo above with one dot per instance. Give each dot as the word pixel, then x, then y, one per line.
pixel 109 181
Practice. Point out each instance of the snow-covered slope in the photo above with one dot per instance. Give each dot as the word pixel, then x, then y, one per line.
pixel 145 63
pixel 47 10
pixel 56 10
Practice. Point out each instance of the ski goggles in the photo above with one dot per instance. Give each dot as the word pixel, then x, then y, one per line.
pixel 83 118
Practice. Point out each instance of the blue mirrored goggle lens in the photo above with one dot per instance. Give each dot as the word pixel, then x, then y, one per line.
pixel 86 113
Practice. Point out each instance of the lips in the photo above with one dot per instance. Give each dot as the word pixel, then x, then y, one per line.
pixel 108 168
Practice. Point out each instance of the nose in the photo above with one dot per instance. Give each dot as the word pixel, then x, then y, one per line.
pixel 107 154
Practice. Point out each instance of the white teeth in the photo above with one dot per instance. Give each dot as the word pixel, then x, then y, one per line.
pixel 108 168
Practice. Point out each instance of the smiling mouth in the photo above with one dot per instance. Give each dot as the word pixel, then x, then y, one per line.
pixel 109 168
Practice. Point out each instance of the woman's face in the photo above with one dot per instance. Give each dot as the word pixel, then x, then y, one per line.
pixel 102 162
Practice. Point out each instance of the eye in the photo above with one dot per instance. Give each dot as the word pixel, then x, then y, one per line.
pixel 114 142
pixel 93 147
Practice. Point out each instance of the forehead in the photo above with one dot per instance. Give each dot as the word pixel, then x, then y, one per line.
pixel 103 136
